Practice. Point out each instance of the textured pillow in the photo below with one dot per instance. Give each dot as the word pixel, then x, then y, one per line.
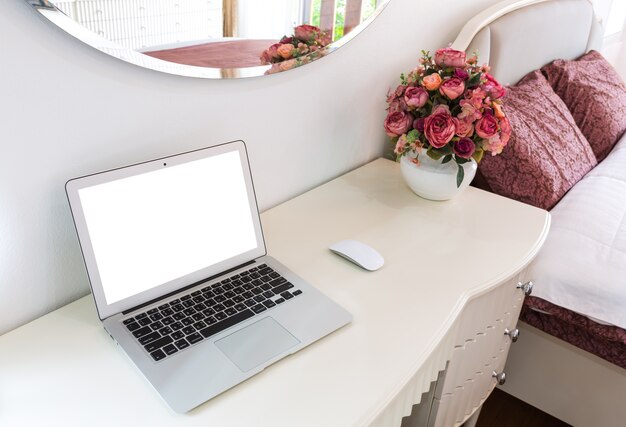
pixel 546 154
pixel 595 95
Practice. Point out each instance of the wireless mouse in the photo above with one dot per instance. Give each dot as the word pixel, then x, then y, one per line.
pixel 359 253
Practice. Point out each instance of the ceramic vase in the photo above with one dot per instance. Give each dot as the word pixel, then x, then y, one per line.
pixel 434 180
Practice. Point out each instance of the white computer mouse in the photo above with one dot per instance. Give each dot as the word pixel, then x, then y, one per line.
pixel 359 253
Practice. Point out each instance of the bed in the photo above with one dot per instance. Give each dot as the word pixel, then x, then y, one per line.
pixel 580 275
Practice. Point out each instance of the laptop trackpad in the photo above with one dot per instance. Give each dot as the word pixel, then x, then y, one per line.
pixel 256 344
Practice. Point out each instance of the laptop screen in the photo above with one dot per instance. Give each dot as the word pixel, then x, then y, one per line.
pixel 156 227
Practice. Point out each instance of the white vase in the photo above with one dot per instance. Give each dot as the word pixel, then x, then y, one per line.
pixel 434 180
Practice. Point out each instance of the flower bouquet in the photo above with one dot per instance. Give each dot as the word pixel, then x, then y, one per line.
pixel 448 108
pixel 306 44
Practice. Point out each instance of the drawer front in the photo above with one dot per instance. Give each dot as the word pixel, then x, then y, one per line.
pixel 482 346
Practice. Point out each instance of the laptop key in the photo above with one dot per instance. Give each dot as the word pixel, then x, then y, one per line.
pixel 258 308
pixel 227 323
pixel 194 338
pixel 141 332
pixel 286 295
pixel 268 294
pixel 240 307
pixel 178 316
pixel 297 292
pixel 157 355
pixel 145 321
pixel 269 303
pixel 129 320
pixel 167 312
pixel 164 306
pixel 170 349
pixel 149 338
pixel 211 320
pixel 152 311
pixel 165 331
pixel 280 300
pixel 282 288
pixel 259 298
pixel 150 347
pixel 156 325
pixel 231 311
pixel 178 335
pixel 187 321
pixel 176 326
pixel 133 326
pixel 181 344
pixel 250 302
pixel 220 316
pixel 189 330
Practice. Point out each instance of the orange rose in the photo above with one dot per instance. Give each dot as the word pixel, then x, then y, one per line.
pixel 497 110
pixel 432 81
pixel 286 50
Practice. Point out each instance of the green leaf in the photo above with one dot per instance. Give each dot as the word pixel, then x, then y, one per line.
pixel 459 176
pixel 446 159
pixel 413 135
pixel 461 160
pixel 478 155
pixel 473 80
pixel 434 154
pixel 445 150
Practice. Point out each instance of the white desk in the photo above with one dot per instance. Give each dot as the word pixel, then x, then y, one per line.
pixel 63 369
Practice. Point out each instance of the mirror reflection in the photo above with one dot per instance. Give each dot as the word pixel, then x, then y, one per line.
pixel 226 38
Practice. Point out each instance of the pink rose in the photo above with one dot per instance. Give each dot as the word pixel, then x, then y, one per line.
pixel 397 123
pixel 286 50
pixel 495 145
pixel 468 111
pixel 415 97
pixel 271 54
pixel 448 57
pixel 401 145
pixel 463 127
pixel 439 127
pixel 452 88
pixel 306 33
pixel 487 126
pixel 464 148
pixel 492 87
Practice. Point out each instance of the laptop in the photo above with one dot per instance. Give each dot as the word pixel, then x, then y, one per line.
pixel 180 276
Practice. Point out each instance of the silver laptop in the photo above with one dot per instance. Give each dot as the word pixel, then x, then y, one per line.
pixel 179 273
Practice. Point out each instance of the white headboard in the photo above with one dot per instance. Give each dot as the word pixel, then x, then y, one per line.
pixel 518 36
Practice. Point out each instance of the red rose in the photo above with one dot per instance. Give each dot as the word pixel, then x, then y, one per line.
pixel 307 33
pixel 487 126
pixel 415 97
pixel 397 123
pixel 439 127
pixel 464 148
pixel 452 88
pixel 448 57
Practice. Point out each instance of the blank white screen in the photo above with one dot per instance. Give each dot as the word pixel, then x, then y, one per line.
pixel 152 228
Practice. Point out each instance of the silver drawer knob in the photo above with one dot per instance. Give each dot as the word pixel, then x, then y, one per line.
pixel 500 377
pixel 513 334
pixel 527 287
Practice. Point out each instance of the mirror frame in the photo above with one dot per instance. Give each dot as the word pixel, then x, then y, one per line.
pixel 48 10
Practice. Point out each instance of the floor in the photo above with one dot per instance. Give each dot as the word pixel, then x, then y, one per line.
pixel 503 410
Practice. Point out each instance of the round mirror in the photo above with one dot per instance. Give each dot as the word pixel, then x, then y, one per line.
pixel 213 38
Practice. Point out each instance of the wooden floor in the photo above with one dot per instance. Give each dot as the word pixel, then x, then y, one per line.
pixel 503 410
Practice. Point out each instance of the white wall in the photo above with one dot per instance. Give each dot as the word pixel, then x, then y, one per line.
pixel 68 110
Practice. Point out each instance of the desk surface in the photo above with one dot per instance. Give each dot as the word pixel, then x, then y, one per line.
pixel 63 369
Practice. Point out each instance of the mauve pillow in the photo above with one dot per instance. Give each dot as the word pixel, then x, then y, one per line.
pixel 546 154
pixel 595 95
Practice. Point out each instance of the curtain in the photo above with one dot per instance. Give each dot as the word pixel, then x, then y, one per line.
pixel 229 8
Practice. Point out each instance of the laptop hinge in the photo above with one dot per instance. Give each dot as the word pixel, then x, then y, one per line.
pixel 223 273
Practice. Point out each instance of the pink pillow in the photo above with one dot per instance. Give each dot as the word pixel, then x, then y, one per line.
pixel 595 95
pixel 546 154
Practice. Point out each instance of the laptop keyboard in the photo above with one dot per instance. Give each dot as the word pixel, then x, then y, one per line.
pixel 187 320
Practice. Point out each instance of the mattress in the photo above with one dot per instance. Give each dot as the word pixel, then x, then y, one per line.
pixel 582 265
pixel 605 341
